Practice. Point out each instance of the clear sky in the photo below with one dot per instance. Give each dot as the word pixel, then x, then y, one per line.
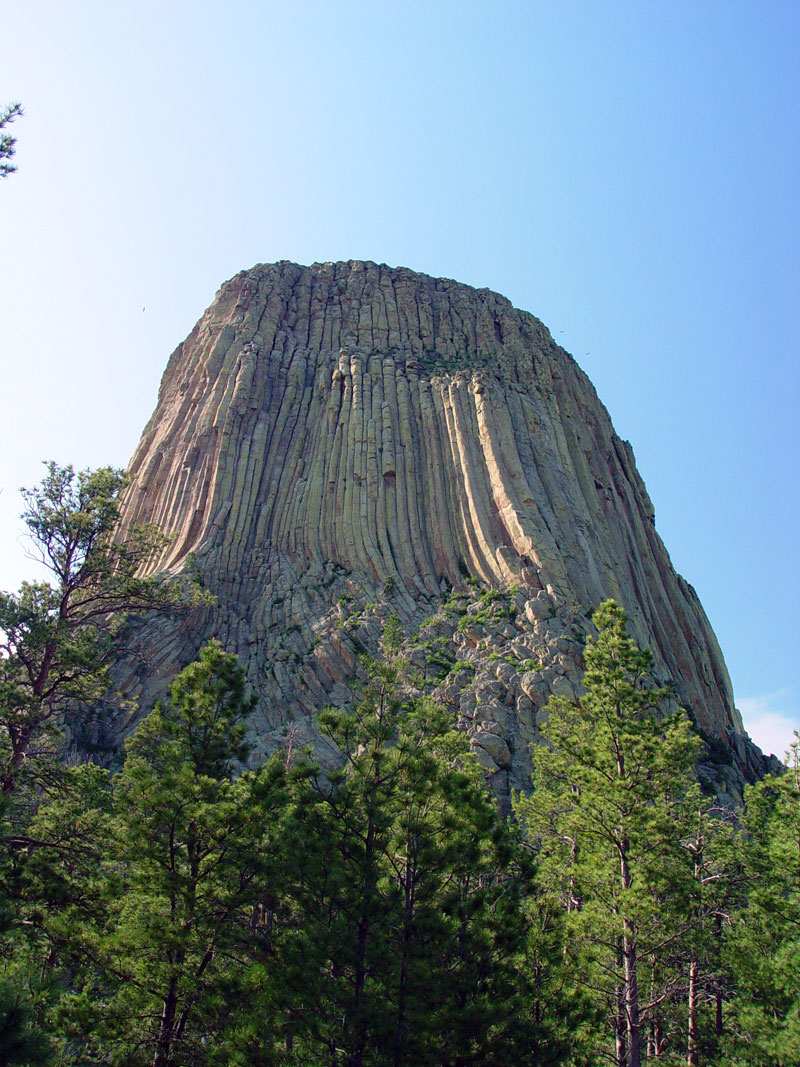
pixel 627 171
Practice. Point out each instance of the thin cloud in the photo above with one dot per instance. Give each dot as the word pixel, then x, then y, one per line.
pixel 771 720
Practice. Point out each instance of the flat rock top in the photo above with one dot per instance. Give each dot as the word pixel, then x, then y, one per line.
pixel 360 305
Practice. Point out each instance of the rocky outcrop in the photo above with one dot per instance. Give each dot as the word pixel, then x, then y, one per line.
pixel 348 438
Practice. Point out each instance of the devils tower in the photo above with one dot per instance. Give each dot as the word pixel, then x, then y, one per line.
pixel 336 443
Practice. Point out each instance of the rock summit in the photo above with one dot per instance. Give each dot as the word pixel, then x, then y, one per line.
pixel 337 443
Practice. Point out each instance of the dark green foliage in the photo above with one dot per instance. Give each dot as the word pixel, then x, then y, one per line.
pixel 21 1041
pixel 188 851
pixel 378 912
pixel 57 638
pixel 401 921
pixel 561 1018
pixel 146 891
pixel 763 945
pixel 611 812
pixel 46 869
pixel 206 716
pixel 21 990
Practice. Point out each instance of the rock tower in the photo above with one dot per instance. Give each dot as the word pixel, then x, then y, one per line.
pixel 343 441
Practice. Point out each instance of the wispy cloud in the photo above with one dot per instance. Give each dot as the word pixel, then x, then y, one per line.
pixel 771 720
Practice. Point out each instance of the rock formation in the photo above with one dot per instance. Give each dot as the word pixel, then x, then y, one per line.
pixel 337 442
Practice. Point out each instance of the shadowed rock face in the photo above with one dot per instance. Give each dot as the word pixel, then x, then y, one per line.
pixel 349 437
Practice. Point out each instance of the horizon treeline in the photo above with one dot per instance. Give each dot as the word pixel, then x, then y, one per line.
pixel 183 909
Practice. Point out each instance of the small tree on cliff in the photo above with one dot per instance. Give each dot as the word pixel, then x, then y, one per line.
pixel 57 637
pixel 612 808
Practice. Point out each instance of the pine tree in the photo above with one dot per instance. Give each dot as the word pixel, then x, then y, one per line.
pixel 22 1040
pixel 186 854
pixel 50 884
pixel 560 1014
pixel 611 813
pixel 58 637
pixel 398 933
pixel 763 945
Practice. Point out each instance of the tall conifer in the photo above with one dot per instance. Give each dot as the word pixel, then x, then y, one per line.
pixel 612 808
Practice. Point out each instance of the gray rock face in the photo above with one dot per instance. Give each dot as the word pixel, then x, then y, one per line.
pixel 349 438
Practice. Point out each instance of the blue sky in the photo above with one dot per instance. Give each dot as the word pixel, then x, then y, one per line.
pixel 625 171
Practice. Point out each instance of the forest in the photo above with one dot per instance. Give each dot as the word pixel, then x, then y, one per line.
pixel 179 906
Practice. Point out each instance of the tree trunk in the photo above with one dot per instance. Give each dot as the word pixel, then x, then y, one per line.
pixel 632 995
pixel 693 1051
pixel 620 1056
pixel 19 744
pixel 652 1029
pixel 356 1057
pixel 359 1018
pixel 408 916
pixel 620 1053
pixel 631 968
pixel 166 1026
pixel 718 997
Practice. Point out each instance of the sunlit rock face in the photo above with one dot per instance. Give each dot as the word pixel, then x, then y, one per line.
pixel 348 439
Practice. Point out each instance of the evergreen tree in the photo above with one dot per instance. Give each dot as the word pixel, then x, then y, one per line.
pixel 396 940
pixel 58 637
pixel 715 893
pixel 611 813
pixel 379 913
pixel 50 884
pixel 21 990
pixel 186 854
pixel 561 1017
pixel 763 1025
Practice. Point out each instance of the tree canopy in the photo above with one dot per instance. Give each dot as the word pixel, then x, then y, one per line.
pixel 59 636
pixel 190 908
